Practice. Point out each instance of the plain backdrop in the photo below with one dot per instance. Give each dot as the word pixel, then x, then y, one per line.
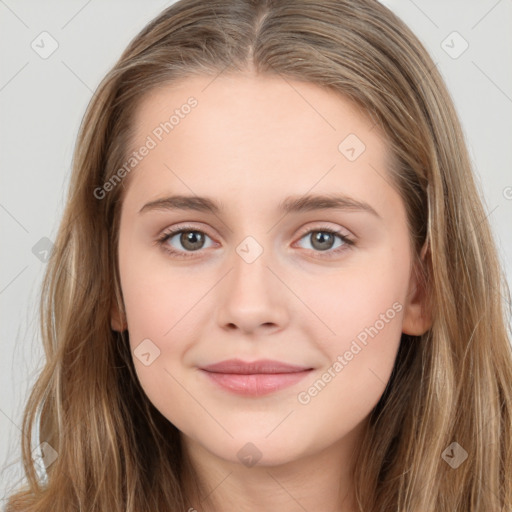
pixel 43 98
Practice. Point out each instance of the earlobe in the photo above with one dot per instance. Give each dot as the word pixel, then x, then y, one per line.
pixel 417 317
pixel 117 320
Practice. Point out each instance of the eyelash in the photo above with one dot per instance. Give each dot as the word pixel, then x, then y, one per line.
pixel 161 241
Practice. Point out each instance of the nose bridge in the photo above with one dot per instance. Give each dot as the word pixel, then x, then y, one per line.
pixel 250 275
pixel 250 295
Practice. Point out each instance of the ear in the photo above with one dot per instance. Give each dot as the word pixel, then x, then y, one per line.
pixel 417 317
pixel 117 319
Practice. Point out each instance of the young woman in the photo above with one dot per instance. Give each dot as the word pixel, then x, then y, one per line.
pixel 274 286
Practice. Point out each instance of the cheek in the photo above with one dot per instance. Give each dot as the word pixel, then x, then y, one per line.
pixel 355 297
pixel 159 309
pixel 366 320
pixel 157 297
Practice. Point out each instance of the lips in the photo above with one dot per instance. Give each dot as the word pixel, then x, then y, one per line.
pixel 254 378
pixel 237 366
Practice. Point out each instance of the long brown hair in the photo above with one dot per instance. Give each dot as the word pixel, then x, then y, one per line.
pixel 115 451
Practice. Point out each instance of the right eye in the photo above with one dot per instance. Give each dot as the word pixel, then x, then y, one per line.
pixel 190 239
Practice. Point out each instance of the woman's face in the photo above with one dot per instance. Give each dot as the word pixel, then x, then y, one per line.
pixel 294 249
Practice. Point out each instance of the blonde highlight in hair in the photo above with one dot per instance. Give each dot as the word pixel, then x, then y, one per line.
pixel 116 452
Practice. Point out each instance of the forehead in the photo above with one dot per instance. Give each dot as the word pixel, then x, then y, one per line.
pixel 251 134
pixel 245 100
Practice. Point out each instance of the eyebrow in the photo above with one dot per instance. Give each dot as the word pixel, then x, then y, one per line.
pixel 292 204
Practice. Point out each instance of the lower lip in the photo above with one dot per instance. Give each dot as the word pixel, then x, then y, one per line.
pixel 257 384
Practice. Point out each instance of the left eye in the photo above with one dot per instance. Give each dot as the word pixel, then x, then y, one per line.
pixel 323 239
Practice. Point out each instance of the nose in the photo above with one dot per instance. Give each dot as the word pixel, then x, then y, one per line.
pixel 251 298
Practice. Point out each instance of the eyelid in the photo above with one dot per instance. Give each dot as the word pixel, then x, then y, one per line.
pixel 176 228
pixel 179 228
pixel 325 226
pixel 303 231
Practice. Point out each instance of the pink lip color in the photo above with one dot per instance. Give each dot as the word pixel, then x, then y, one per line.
pixel 254 378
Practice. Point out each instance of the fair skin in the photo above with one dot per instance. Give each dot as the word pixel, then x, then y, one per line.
pixel 251 142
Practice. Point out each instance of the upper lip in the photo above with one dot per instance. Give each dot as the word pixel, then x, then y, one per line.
pixel 238 366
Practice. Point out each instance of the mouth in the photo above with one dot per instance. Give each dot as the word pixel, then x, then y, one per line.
pixel 254 378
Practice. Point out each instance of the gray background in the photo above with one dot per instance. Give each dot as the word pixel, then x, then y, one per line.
pixel 42 101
